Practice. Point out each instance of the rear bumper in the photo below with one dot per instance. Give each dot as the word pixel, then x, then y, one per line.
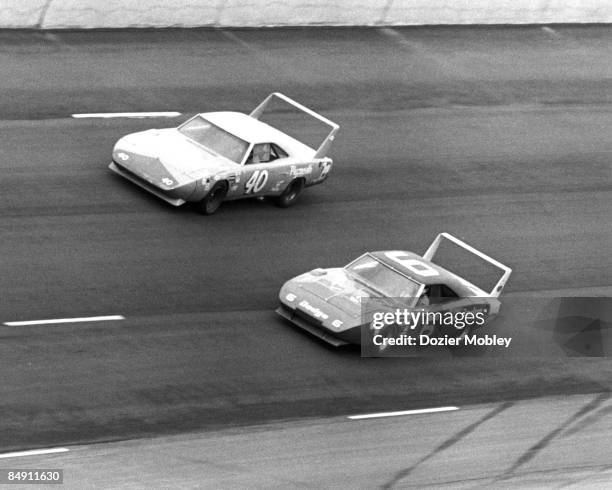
pixel 145 185
pixel 310 327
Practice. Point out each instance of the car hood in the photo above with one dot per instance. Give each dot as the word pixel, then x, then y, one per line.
pixel 169 151
pixel 335 287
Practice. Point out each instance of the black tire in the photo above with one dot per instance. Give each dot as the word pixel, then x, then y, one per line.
pixel 290 194
pixel 211 203
pixel 465 331
pixel 389 331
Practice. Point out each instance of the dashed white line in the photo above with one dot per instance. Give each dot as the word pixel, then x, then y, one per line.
pixel 405 412
pixel 65 320
pixel 107 115
pixel 35 452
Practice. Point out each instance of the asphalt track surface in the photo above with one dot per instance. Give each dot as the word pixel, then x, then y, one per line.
pixel 566 445
pixel 499 136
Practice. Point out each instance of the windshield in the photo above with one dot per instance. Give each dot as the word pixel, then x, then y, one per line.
pixel 383 278
pixel 218 140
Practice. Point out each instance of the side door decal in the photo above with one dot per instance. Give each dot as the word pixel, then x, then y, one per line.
pixel 256 182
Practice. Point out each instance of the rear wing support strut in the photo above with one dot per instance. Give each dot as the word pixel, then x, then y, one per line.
pixel 327 142
pixel 429 254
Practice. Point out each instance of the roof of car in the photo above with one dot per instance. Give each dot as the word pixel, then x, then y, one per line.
pixel 254 131
pixel 462 287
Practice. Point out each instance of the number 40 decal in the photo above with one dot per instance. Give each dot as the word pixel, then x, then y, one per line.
pixel 256 181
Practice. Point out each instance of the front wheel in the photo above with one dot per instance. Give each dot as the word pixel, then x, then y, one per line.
pixel 386 333
pixel 290 194
pixel 211 203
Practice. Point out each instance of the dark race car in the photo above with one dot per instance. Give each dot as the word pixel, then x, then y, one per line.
pixel 329 302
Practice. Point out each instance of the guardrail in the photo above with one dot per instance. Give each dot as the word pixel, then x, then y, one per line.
pixel 61 14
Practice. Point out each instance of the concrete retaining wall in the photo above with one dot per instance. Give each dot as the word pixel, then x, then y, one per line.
pixel 58 14
pixel 21 13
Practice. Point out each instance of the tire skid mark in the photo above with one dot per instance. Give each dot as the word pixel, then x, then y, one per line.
pixel 533 451
pixel 588 420
pixel 262 55
pixel 585 479
pixel 400 475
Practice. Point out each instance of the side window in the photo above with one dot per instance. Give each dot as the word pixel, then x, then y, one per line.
pixel 259 154
pixel 265 152
pixel 447 292
pixel 278 152
pixel 438 293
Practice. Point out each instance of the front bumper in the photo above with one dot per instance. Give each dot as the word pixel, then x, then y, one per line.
pixel 126 174
pixel 310 325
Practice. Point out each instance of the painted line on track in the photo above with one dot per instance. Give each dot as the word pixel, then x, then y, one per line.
pixel 405 412
pixel 65 320
pixel 107 115
pixel 35 452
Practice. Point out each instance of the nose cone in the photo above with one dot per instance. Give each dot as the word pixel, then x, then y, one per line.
pixel 150 169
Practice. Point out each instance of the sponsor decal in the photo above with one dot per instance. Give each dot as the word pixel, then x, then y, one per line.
pixel 167 181
pixel 123 156
pixel 313 310
pixel 300 172
pixel 325 170
pixel 234 178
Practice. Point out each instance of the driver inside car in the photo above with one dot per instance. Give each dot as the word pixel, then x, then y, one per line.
pixel 424 299
pixel 261 153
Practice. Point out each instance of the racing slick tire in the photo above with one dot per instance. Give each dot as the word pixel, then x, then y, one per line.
pixel 212 201
pixel 389 331
pixel 290 194
pixel 461 339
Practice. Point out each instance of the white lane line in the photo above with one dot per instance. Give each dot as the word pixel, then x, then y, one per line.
pixel 65 320
pixel 35 452
pixel 107 115
pixel 405 412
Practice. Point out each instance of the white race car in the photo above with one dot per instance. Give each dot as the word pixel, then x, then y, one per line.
pixel 218 156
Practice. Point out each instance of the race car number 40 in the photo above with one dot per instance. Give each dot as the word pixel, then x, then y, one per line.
pixel 256 182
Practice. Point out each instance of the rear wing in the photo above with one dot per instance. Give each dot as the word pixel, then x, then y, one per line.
pixel 429 254
pixel 327 142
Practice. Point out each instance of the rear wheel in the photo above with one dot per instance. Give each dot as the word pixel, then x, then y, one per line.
pixel 290 194
pixel 211 203
pixel 465 331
